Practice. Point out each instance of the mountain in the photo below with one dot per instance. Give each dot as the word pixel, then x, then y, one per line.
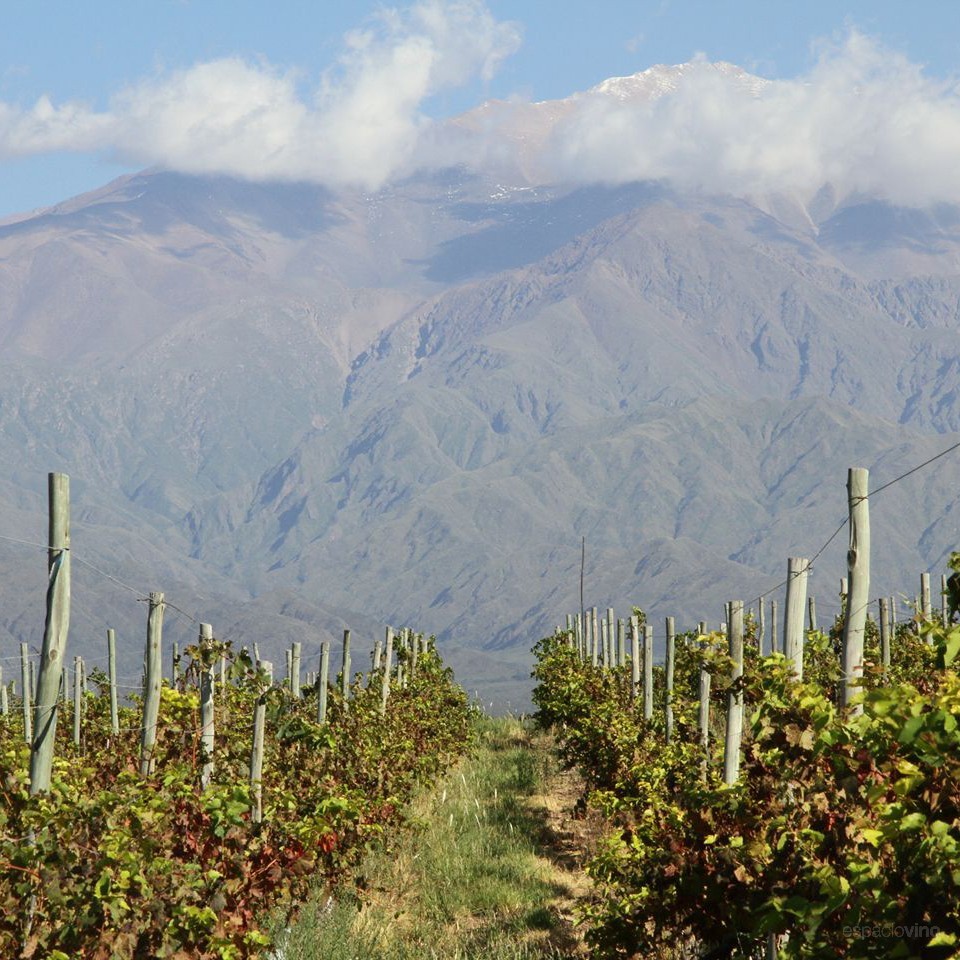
pixel 294 409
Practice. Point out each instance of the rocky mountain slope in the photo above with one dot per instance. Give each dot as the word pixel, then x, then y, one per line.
pixel 292 409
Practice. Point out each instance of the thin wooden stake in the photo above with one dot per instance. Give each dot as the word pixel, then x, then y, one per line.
pixel 647 672
pixel 256 753
pixel 734 733
pixel 345 675
pixel 151 691
pixel 635 657
pixel 858 574
pixel 884 633
pixel 387 667
pixel 774 640
pixel 77 699
pixel 668 701
pixel 324 682
pixel 207 731
pixel 925 605
pixel 112 675
pixel 56 627
pixel 295 669
pixel 25 699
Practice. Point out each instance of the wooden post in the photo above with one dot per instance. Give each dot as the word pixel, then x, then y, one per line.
pixel 174 664
pixel 734 735
pixel 377 655
pixel 207 730
pixel 761 627
pixel 77 699
pixel 256 753
pixel 703 712
pixel 324 682
pixel 634 656
pixel 25 683
pixel 774 640
pixel 621 642
pixel 41 734
pixel 288 664
pixel 345 671
pixel 811 613
pixel 151 691
pixel 647 672
pixel 4 701
pixel 295 669
pixel 925 605
pixel 944 605
pixel 797 568
pixel 611 649
pixel 604 645
pixel 884 633
pixel 112 675
pixel 414 653
pixel 668 702
pixel 578 627
pixel 858 573
pixel 387 666
pixel 595 654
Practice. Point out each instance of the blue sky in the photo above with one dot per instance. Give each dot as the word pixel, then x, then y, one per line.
pixel 108 68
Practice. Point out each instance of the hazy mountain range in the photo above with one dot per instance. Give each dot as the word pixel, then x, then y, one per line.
pixel 293 409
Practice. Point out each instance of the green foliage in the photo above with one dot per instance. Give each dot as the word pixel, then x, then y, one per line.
pixel 842 833
pixel 111 865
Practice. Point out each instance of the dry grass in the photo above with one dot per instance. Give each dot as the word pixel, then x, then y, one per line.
pixel 493 869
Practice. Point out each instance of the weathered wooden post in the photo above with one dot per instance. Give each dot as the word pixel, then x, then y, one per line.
pixel 668 702
pixel 25 699
pixel 256 753
pixel 387 667
pixel 734 733
pixel 324 682
pixel 174 664
pixel 925 604
pixel 345 670
pixel 797 569
pixel 207 731
pixel 634 657
pixel 944 605
pixel 884 633
pixel 151 687
pixel 621 642
pixel 41 734
pixel 774 639
pixel 112 675
pixel 858 574
pixel 703 709
pixel 4 701
pixel 610 649
pixel 595 656
pixel 604 645
pixel 377 655
pixel 295 669
pixel 811 613
pixel 414 653
pixel 647 672
pixel 761 627
pixel 77 699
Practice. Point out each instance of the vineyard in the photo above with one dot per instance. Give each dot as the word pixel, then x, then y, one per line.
pixel 112 863
pixel 826 826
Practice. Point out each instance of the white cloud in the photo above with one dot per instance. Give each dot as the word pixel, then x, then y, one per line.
pixel 251 120
pixel 865 119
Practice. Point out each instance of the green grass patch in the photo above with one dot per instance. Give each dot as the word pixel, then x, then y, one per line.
pixel 465 882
